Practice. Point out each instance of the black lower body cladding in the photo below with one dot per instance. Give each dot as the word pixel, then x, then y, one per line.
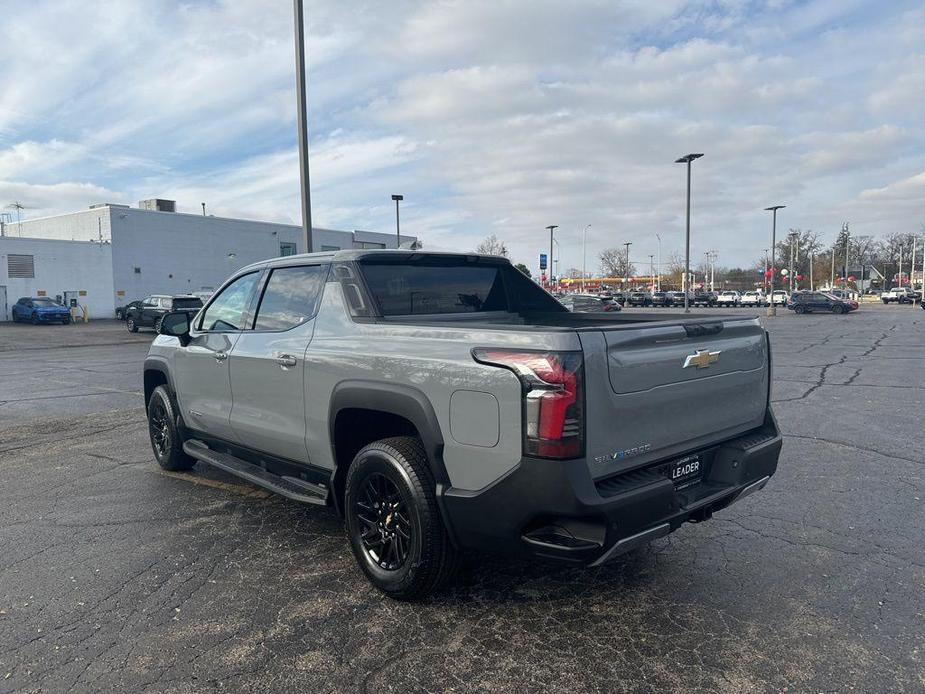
pixel 554 509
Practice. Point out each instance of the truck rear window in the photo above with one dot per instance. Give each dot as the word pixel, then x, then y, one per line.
pixel 448 285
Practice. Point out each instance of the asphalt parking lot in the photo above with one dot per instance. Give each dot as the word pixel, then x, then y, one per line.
pixel 115 575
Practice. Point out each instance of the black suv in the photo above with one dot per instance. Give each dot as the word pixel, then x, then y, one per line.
pixel 702 298
pixel 807 302
pixel 152 308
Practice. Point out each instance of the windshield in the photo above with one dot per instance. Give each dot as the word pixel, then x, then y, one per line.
pixel 44 301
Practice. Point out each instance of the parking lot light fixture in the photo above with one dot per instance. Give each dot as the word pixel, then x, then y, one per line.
pixel 687 159
pixel 772 309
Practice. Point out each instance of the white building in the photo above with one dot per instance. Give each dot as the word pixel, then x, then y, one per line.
pixel 112 254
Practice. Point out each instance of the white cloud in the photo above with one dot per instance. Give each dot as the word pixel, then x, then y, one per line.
pixel 491 116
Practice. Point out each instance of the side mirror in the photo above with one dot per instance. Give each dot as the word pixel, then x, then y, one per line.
pixel 176 324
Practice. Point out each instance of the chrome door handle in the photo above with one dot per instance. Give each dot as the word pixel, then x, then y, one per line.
pixel 220 356
pixel 285 360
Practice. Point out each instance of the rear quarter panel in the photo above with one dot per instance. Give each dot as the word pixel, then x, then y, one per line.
pixel 435 360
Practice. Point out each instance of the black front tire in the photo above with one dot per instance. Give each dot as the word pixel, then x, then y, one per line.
pixel 166 440
pixel 405 515
pixel 838 309
pixel 35 319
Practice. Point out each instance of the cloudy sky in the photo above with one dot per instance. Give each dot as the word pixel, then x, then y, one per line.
pixel 499 117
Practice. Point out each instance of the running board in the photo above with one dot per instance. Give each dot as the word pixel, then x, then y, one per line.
pixel 289 487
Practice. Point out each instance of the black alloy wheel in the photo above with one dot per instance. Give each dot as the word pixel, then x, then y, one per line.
pixel 131 325
pixel 159 427
pixel 164 432
pixel 386 523
pixel 393 523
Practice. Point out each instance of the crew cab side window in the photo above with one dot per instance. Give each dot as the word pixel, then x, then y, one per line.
pixel 290 297
pixel 229 307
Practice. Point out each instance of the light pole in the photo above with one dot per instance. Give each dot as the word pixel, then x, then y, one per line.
pixel 301 116
pixel 626 268
pixel 552 228
pixel 554 262
pixel 792 237
pixel 651 270
pixel 658 269
pixel 772 309
pixel 687 159
pixel 584 257
pixel 397 199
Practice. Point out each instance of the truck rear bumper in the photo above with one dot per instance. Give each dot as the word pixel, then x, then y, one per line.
pixel 554 509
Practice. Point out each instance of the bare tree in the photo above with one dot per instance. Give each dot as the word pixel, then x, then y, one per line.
pixel 491 245
pixel 613 263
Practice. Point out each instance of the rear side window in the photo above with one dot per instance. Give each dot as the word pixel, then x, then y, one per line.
pixel 291 297
pixel 226 312
pixel 451 286
pixel 187 303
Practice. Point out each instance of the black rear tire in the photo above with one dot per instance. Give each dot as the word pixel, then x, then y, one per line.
pixel 166 440
pixel 392 520
pixel 157 325
pixel 131 325
pixel 799 309
pixel 35 319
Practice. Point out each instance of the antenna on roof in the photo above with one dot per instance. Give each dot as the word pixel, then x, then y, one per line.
pixel 19 207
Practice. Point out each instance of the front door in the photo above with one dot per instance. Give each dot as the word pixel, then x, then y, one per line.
pixel 268 364
pixel 202 379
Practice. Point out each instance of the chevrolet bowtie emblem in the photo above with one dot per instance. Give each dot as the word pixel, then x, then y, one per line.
pixel 702 359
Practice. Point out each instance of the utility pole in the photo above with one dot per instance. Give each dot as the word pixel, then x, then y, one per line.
pixel 584 257
pixel 552 228
pixel 688 158
pixel 302 117
pixel 847 240
pixel 626 268
pixel 772 309
pixel 397 199
pixel 651 270
pixel 658 269
pixel 832 282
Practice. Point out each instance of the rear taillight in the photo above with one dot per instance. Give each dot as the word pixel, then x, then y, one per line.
pixel 553 398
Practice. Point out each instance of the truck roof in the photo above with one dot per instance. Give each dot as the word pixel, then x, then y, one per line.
pixel 355 254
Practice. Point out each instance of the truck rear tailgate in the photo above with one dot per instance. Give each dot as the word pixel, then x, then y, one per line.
pixel 662 389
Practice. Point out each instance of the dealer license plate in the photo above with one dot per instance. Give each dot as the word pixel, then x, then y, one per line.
pixel 686 471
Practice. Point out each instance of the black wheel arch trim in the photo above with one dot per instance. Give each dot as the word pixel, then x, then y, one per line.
pixel 160 365
pixel 404 401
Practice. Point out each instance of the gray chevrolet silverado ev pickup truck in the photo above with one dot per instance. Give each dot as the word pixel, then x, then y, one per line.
pixel 445 402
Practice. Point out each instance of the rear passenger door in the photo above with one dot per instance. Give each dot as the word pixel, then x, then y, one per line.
pixel 267 363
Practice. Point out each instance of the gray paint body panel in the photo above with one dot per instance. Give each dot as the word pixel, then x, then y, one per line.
pixel 636 392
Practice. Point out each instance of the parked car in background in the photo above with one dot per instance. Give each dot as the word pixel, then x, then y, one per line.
pixel 617 297
pixel 901 295
pixel 588 303
pixel 639 299
pixel 702 298
pixel 676 299
pixel 40 309
pixel 660 299
pixel 156 306
pixel 815 302
pixel 779 297
pixel 333 379
pixel 753 299
pixel 122 311
pixel 728 298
